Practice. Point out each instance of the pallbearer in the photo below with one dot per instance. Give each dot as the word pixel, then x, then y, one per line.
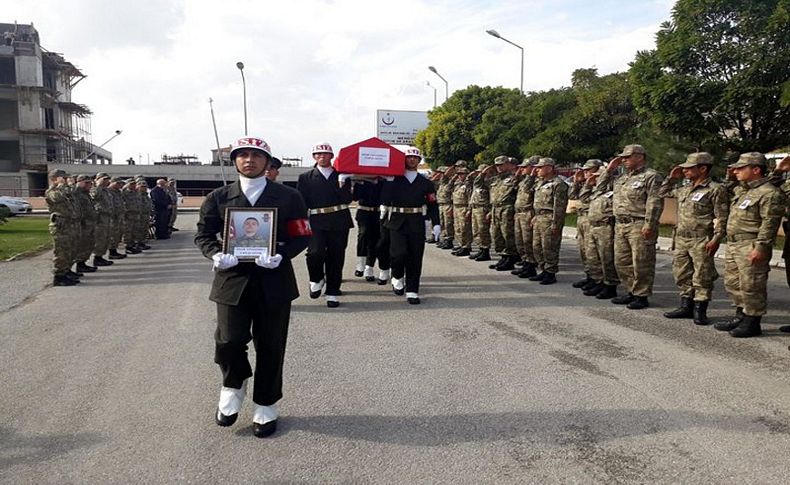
pixel 367 193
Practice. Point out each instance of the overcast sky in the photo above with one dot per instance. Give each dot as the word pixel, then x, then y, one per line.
pixel 316 70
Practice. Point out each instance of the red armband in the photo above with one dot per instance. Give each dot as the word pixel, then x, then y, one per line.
pixel 431 197
pixel 299 227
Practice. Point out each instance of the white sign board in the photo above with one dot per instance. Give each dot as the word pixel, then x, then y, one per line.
pixel 374 157
pixel 400 127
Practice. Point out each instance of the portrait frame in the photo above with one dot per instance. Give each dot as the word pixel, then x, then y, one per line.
pixel 238 237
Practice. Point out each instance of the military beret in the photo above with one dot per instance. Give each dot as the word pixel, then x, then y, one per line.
pixel 592 163
pixel 697 159
pixel 546 162
pixel 633 149
pixel 57 172
pixel 750 158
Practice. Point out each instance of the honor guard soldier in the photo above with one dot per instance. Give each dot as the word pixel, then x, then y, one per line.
pixel 756 211
pixel 103 203
pixel 502 189
pixel 600 243
pixel 367 193
pixel 253 298
pixel 703 206
pixel 444 196
pixel 551 202
pixel 582 220
pixel 524 212
pixel 408 199
pixel 327 195
pixel 480 206
pixel 461 213
pixel 637 210
pixel 61 216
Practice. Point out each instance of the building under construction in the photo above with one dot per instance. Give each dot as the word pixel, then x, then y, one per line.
pixel 39 122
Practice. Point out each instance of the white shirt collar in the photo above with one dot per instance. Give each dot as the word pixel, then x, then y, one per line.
pixel 325 171
pixel 410 175
pixel 252 188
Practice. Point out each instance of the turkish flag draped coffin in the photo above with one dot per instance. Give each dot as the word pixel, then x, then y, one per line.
pixel 371 157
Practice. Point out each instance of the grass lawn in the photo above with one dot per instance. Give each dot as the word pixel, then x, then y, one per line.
pixel 25 234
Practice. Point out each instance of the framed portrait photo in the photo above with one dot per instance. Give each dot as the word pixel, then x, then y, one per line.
pixel 250 232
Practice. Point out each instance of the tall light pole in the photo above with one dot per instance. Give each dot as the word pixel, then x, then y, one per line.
pixel 216 137
pixel 494 33
pixel 117 132
pixel 240 65
pixel 434 92
pixel 446 86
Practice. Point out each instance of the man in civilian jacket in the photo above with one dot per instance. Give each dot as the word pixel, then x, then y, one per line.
pixel 327 196
pixel 253 298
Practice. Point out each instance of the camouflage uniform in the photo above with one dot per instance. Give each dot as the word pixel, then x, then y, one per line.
pixel 118 217
pixel 62 216
pixel 582 220
pixel 502 190
pixel 755 213
pixel 444 196
pixel 524 212
pixel 702 218
pixel 636 206
pixel 480 205
pixel 461 212
pixel 172 193
pixel 103 204
pixel 551 202
pixel 88 217
pixel 146 206
pixel 600 243
pixel 131 216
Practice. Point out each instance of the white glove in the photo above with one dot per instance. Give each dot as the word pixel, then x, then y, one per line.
pixel 437 231
pixel 389 178
pixel 384 209
pixel 269 262
pixel 341 179
pixel 224 261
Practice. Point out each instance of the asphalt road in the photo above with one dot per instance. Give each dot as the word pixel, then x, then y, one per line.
pixel 491 379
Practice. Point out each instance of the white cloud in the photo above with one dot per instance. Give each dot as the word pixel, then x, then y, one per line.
pixel 315 70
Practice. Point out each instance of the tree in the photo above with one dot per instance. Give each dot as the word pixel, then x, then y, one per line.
pixel 717 75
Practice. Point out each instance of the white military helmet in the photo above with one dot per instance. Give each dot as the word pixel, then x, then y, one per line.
pixel 250 142
pixel 413 152
pixel 323 148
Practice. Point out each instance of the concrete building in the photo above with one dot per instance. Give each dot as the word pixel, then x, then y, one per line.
pixel 39 122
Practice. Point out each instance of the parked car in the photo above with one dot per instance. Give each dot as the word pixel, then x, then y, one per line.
pixel 16 205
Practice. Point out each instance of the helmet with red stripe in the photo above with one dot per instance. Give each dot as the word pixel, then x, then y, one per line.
pixel 250 142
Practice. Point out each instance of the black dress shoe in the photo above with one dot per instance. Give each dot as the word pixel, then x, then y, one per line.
pixel 370 278
pixel 400 292
pixel 413 301
pixel 225 420
pixel 381 282
pixel 358 274
pixel 332 304
pixel 264 430
pixel 315 294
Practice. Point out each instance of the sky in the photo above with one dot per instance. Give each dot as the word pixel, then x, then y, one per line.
pixel 316 71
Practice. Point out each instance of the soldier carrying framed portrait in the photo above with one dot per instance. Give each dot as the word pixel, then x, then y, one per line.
pixel 250 232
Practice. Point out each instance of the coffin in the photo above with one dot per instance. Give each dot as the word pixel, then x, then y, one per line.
pixel 371 157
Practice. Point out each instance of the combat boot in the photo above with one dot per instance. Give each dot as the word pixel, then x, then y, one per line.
pixel 588 286
pixel 99 261
pixel 63 280
pixel 583 282
pixel 528 271
pixel 624 300
pixel 731 324
pixel 447 244
pixel 84 268
pixel 701 313
pixel 549 279
pixel 594 290
pixel 685 310
pixel 538 277
pixel 485 255
pixel 114 254
pixel 74 275
pixel 518 271
pixel 144 246
pixel 608 292
pixel 463 252
pixel 497 264
pixel 508 264
pixel 638 303
pixel 749 327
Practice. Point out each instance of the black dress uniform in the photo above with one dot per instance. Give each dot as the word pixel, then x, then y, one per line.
pixel 368 197
pixel 407 202
pixel 330 223
pixel 251 296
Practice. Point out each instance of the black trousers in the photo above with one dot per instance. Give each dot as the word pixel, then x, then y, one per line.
pixel 368 233
pixel 162 223
pixel 266 325
pixel 406 250
pixel 383 247
pixel 326 254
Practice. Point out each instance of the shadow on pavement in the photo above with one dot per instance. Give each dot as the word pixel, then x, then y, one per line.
pixel 17 449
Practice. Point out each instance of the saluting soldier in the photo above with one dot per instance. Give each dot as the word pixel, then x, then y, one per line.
pixel 480 206
pixel 327 195
pixel 131 203
pixel 551 202
pixel 408 199
pixel 87 240
pixel 703 206
pixel 461 213
pixel 777 179
pixel 117 220
pixel 502 189
pixel 637 210
pixel 582 219
pixel 61 215
pixel 444 196
pixel 600 243
pixel 524 208
pixel 756 211
pixel 367 193
pixel 103 204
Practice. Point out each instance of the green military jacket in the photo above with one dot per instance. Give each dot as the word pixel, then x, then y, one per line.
pixel 600 201
pixel 462 192
pixel 525 193
pixel 636 195
pixel 756 210
pixel 59 203
pixel 480 196
pixel 551 195
pixel 85 204
pixel 574 193
pixel 702 209
pixel 130 200
pixel 502 190
pixel 118 205
pixel 444 194
pixel 102 201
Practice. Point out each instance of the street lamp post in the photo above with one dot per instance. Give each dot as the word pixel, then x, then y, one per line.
pixel 216 137
pixel 446 86
pixel 240 65
pixel 117 132
pixel 434 92
pixel 494 33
